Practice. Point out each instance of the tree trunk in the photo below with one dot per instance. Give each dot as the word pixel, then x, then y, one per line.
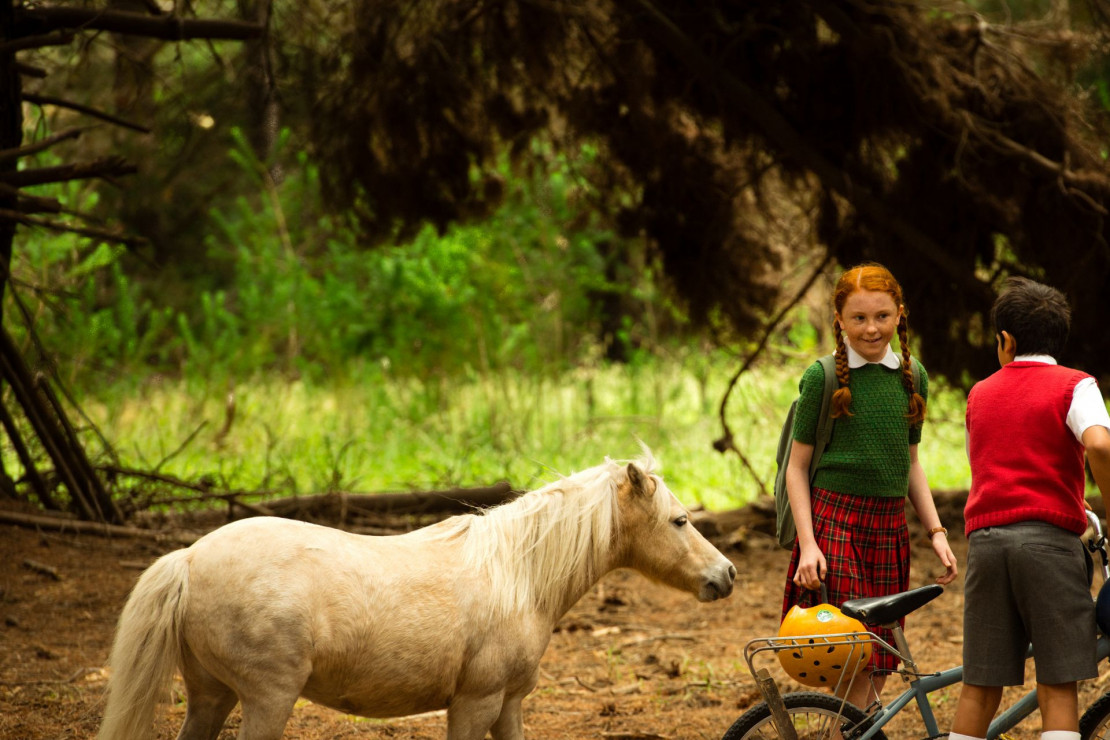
pixel 611 307
pixel 262 111
pixel 86 492
pixel 88 497
pixel 11 136
pixel 141 24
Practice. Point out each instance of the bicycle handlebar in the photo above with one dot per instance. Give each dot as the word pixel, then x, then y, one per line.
pixel 1098 543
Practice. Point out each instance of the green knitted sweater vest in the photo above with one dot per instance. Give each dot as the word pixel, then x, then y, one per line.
pixel 868 454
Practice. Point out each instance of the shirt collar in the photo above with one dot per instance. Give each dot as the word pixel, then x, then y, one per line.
pixel 1046 359
pixel 890 360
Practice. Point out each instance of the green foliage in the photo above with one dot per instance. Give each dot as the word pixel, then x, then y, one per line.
pixel 298 295
pixel 460 358
pixel 82 304
pixel 378 432
pixel 290 290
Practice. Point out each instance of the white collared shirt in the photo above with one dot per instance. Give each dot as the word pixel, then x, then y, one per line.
pixel 891 360
pixel 1087 407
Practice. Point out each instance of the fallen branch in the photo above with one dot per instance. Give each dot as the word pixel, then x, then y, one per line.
pixel 715 685
pixel 82 672
pixel 256 509
pixel 629 688
pixel 585 685
pixel 42 568
pixel 455 500
pixel 74 678
pixel 65 524
pixel 166 27
pixel 655 638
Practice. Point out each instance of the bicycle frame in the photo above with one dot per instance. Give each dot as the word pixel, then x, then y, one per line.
pixel 920 688
pixel 920 685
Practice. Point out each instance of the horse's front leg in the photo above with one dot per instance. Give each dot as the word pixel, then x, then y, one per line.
pixel 469 717
pixel 510 724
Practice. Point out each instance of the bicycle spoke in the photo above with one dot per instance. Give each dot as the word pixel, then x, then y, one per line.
pixel 814 716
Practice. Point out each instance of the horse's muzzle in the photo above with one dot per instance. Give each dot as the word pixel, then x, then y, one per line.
pixel 719 586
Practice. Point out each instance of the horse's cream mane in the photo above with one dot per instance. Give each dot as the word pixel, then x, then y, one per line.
pixel 551 541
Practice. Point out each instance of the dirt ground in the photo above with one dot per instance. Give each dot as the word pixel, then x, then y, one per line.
pixel 632 660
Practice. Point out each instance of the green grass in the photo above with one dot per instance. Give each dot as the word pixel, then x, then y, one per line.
pixel 375 432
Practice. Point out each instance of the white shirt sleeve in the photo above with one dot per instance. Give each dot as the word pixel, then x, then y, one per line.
pixel 1087 408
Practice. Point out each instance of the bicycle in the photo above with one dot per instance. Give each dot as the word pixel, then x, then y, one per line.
pixel 809 714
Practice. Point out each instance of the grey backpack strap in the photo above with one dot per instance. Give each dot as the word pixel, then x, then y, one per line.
pixel 824 423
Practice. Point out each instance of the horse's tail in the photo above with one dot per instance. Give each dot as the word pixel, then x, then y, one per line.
pixel 147 649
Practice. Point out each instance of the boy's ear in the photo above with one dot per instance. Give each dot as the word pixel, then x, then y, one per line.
pixel 1007 346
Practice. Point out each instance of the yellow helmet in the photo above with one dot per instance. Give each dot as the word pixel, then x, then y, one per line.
pixel 823 664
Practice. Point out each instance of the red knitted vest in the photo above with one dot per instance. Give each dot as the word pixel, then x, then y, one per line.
pixel 1025 462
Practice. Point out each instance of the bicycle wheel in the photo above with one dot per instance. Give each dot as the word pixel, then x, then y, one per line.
pixel 1095 722
pixel 813 715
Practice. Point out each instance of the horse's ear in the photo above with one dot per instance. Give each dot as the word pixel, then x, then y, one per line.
pixel 636 479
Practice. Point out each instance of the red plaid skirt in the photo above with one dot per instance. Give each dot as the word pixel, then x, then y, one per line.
pixel 867 549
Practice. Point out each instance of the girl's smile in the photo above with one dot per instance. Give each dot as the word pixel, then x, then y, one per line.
pixel 869 319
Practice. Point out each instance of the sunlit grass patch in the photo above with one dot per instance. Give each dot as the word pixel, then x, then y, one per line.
pixel 375 432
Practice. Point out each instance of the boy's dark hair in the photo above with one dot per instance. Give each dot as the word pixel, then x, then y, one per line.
pixel 1036 315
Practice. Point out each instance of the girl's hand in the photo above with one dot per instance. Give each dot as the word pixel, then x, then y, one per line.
pixel 811 567
pixel 947 558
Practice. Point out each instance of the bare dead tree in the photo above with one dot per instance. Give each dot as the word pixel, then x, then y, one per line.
pixel 31 27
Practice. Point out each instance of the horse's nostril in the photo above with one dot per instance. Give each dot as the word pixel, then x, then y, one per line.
pixel 732 572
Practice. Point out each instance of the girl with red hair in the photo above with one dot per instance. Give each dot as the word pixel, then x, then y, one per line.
pixel 851 521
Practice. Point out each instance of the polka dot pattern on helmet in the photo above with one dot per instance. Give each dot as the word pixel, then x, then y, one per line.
pixel 822 648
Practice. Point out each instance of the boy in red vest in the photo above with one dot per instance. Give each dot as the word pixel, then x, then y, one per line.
pixel 1027 428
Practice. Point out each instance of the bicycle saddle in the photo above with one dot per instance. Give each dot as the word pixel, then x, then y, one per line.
pixel 887 609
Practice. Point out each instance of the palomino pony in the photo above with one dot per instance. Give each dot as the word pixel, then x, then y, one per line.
pixel 455 615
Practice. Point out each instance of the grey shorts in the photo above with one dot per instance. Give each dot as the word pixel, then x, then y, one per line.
pixel 1027 583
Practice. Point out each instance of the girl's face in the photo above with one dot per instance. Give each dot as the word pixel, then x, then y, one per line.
pixel 869 319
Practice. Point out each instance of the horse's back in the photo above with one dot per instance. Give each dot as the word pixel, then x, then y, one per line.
pixel 266 542
pixel 301 597
pixel 279 565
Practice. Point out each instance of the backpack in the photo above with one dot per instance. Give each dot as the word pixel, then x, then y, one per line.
pixel 784 519
pixel 785 530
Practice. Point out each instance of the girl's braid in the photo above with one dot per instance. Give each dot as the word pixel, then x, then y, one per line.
pixel 917 402
pixel 842 398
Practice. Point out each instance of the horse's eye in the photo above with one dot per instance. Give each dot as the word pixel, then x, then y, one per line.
pixel 681 521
